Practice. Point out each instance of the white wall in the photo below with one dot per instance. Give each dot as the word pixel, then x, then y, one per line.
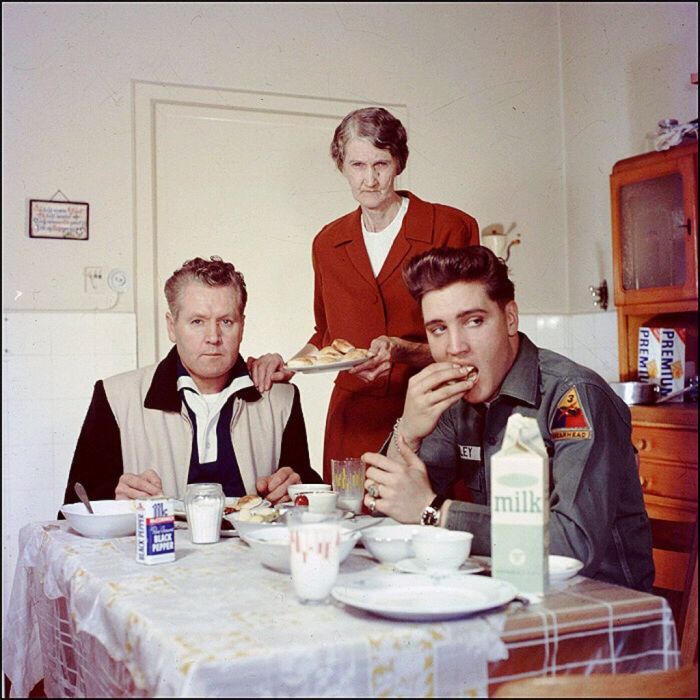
pixel 481 83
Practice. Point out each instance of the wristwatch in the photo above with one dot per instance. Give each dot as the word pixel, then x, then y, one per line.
pixel 431 513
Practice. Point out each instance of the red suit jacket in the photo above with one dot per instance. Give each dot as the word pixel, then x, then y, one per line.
pixel 350 303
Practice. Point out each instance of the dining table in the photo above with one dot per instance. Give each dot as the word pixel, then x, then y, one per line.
pixel 91 621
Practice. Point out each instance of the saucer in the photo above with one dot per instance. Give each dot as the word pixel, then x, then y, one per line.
pixel 411 566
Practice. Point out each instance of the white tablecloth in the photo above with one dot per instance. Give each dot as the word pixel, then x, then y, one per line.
pixel 216 623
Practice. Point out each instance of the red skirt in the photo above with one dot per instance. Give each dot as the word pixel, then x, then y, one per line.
pixel 357 423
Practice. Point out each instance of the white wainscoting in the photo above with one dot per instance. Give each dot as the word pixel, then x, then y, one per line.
pixel 50 362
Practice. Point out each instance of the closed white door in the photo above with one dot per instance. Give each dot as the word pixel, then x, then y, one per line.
pixel 248 177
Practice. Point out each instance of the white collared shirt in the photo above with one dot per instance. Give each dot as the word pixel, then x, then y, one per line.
pixel 378 243
pixel 206 408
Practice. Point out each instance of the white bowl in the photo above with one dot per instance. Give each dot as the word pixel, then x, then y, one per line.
pixel 271 546
pixel 111 518
pixel 441 551
pixel 243 527
pixel 295 489
pixel 563 568
pixel 390 543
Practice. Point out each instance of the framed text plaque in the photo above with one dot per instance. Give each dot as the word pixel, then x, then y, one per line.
pixel 54 219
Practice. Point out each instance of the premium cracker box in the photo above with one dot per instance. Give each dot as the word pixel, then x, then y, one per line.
pixel 520 507
pixel 672 363
pixel 662 353
pixel 646 351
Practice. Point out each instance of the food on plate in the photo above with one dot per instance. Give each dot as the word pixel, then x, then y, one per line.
pixel 357 354
pixel 342 346
pixel 338 351
pixel 303 361
pixel 261 515
pixel 328 354
pixel 247 502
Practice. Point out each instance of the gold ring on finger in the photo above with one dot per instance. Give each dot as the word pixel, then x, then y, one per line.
pixel 372 506
pixel 373 490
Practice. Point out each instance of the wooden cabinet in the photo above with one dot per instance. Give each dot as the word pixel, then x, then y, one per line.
pixel 655 260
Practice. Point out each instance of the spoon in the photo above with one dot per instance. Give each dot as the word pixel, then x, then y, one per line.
pixel 82 495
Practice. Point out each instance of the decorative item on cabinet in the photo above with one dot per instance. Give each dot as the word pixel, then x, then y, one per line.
pixel 655 263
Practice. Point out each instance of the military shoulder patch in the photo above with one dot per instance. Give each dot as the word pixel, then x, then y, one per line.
pixel 570 421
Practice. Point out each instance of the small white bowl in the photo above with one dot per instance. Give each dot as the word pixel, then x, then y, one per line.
pixel 271 546
pixel 390 543
pixel 295 489
pixel 111 518
pixel 441 551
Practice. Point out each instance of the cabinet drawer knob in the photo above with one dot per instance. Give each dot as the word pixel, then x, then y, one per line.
pixel 641 444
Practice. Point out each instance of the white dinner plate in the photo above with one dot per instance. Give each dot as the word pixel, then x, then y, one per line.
pixel 326 366
pixel 412 566
pixel 421 600
pixel 563 568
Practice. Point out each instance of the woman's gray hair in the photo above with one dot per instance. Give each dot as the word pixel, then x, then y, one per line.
pixel 213 272
pixel 381 128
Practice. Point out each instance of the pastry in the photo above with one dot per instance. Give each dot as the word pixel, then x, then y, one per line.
pixel 342 346
pixel 357 354
pixel 248 502
pixel 303 361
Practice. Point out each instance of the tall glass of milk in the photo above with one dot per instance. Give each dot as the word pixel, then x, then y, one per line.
pixel 314 540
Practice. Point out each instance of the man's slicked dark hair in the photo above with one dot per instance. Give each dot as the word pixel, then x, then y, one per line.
pixel 440 267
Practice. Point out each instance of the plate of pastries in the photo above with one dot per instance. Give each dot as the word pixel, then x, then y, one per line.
pixel 340 354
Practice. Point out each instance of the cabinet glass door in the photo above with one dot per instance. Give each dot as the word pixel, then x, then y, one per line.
pixel 653 233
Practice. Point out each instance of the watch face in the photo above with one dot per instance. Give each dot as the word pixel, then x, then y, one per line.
pixel 429 516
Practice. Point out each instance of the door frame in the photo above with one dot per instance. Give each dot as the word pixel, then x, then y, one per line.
pixel 146 97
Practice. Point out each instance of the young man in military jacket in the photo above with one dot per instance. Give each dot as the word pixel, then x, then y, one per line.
pixel 455 416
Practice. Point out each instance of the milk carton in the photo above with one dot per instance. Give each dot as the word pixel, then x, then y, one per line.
pixel 520 507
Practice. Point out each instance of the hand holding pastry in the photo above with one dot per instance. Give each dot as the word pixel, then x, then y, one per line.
pixel 430 393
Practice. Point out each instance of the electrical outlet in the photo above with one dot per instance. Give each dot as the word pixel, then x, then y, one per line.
pixel 118 280
pixel 95 282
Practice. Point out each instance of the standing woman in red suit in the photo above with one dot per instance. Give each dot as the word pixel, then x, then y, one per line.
pixel 359 294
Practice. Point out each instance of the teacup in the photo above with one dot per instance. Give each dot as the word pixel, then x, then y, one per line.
pixel 322 501
pixel 441 551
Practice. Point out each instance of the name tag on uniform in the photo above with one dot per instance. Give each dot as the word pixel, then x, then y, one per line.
pixel 470 452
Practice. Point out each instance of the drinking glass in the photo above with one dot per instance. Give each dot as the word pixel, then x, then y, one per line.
pixel 348 476
pixel 314 542
pixel 204 505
